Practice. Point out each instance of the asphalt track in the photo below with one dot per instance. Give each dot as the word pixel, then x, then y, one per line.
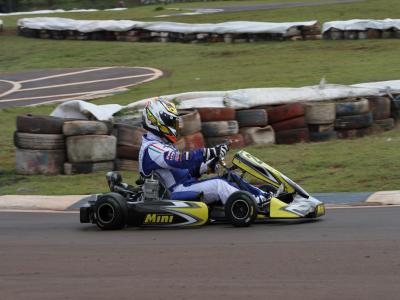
pixel 57 85
pixel 352 253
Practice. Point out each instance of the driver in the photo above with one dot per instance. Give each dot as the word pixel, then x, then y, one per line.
pixel 181 171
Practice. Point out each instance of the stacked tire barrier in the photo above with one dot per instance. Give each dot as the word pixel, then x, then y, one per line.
pixel 253 127
pixel 133 31
pixel 190 133
pixel 90 147
pixel 165 37
pixel 337 34
pixel 50 146
pixel 289 124
pixel 129 139
pixel 219 126
pixel 320 118
pixel 40 145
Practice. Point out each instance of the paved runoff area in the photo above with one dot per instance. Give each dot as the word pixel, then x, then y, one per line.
pixel 57 85
pixel 350 253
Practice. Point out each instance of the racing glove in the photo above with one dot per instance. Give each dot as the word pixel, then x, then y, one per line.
pixel 218 151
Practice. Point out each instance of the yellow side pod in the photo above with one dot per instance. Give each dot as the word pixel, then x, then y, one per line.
pixel 277 210
pixel 198 211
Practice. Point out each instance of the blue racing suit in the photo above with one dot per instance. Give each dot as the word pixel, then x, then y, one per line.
pixel 180 171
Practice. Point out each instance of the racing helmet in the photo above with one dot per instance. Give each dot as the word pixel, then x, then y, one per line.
pixel 161 118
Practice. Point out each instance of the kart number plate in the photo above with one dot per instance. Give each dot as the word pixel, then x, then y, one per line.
pixel 320 210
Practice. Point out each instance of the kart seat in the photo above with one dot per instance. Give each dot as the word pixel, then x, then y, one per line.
pixel 187 196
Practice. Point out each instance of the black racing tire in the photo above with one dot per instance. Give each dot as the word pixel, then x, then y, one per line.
pixel 111 212
pixel 241 209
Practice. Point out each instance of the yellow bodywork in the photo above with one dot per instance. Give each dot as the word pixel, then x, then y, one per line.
pixel 277 210
pixel 198 211
pixel 248 169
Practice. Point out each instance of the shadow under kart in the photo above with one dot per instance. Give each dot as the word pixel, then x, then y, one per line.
pixel 150 205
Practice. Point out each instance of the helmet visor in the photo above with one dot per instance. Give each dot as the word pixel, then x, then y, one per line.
pixel 170 120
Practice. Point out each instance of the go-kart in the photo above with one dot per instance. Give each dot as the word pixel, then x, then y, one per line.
pixel 150 204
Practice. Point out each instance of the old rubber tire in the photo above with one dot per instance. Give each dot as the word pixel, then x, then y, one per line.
pixel 299 122
pixel 241 209
pixel 384 125
pixel 285 112
pixel 211 114
pixel 320 112
pixel 237 141
pixel 258 135
pixel 380 107
pixel 252 117
pixel 189 122
pixel 220 128
pixel 354 122
pixel 126 165
pixel 111 212
pixel 321 127
pixel 78 127
pixel 91 148
pixel 35 141
pixel 128 152
pixel 129 135
pixel 353 133
pixel 352 107
pixel 39 124
pixel 322 136
pixel 193 141
pixel 395 108
pixel 293 136
pixel 45 162
pixel 85 168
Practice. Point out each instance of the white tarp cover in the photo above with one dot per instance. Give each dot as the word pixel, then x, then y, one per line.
pixel 78 109
pixel 57 11
pixel 357 24
pixel 125 25
pixel 243 98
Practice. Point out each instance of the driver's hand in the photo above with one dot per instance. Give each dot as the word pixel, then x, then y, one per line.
pixel 218 151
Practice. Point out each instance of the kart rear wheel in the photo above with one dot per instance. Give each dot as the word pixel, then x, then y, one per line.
pixel 240 209
pixel 111 211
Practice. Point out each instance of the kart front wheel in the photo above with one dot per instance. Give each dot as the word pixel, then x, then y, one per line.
pixel 240 209
pixel 110 210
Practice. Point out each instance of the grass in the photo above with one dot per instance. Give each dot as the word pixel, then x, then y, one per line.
pixel 366 164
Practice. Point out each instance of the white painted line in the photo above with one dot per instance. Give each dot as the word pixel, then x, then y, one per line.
pixel 157 74
pixel 65 74
pixel 84 82
pixel 15 87
pixel 51 96
pixel 361 207
pixel 43 211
